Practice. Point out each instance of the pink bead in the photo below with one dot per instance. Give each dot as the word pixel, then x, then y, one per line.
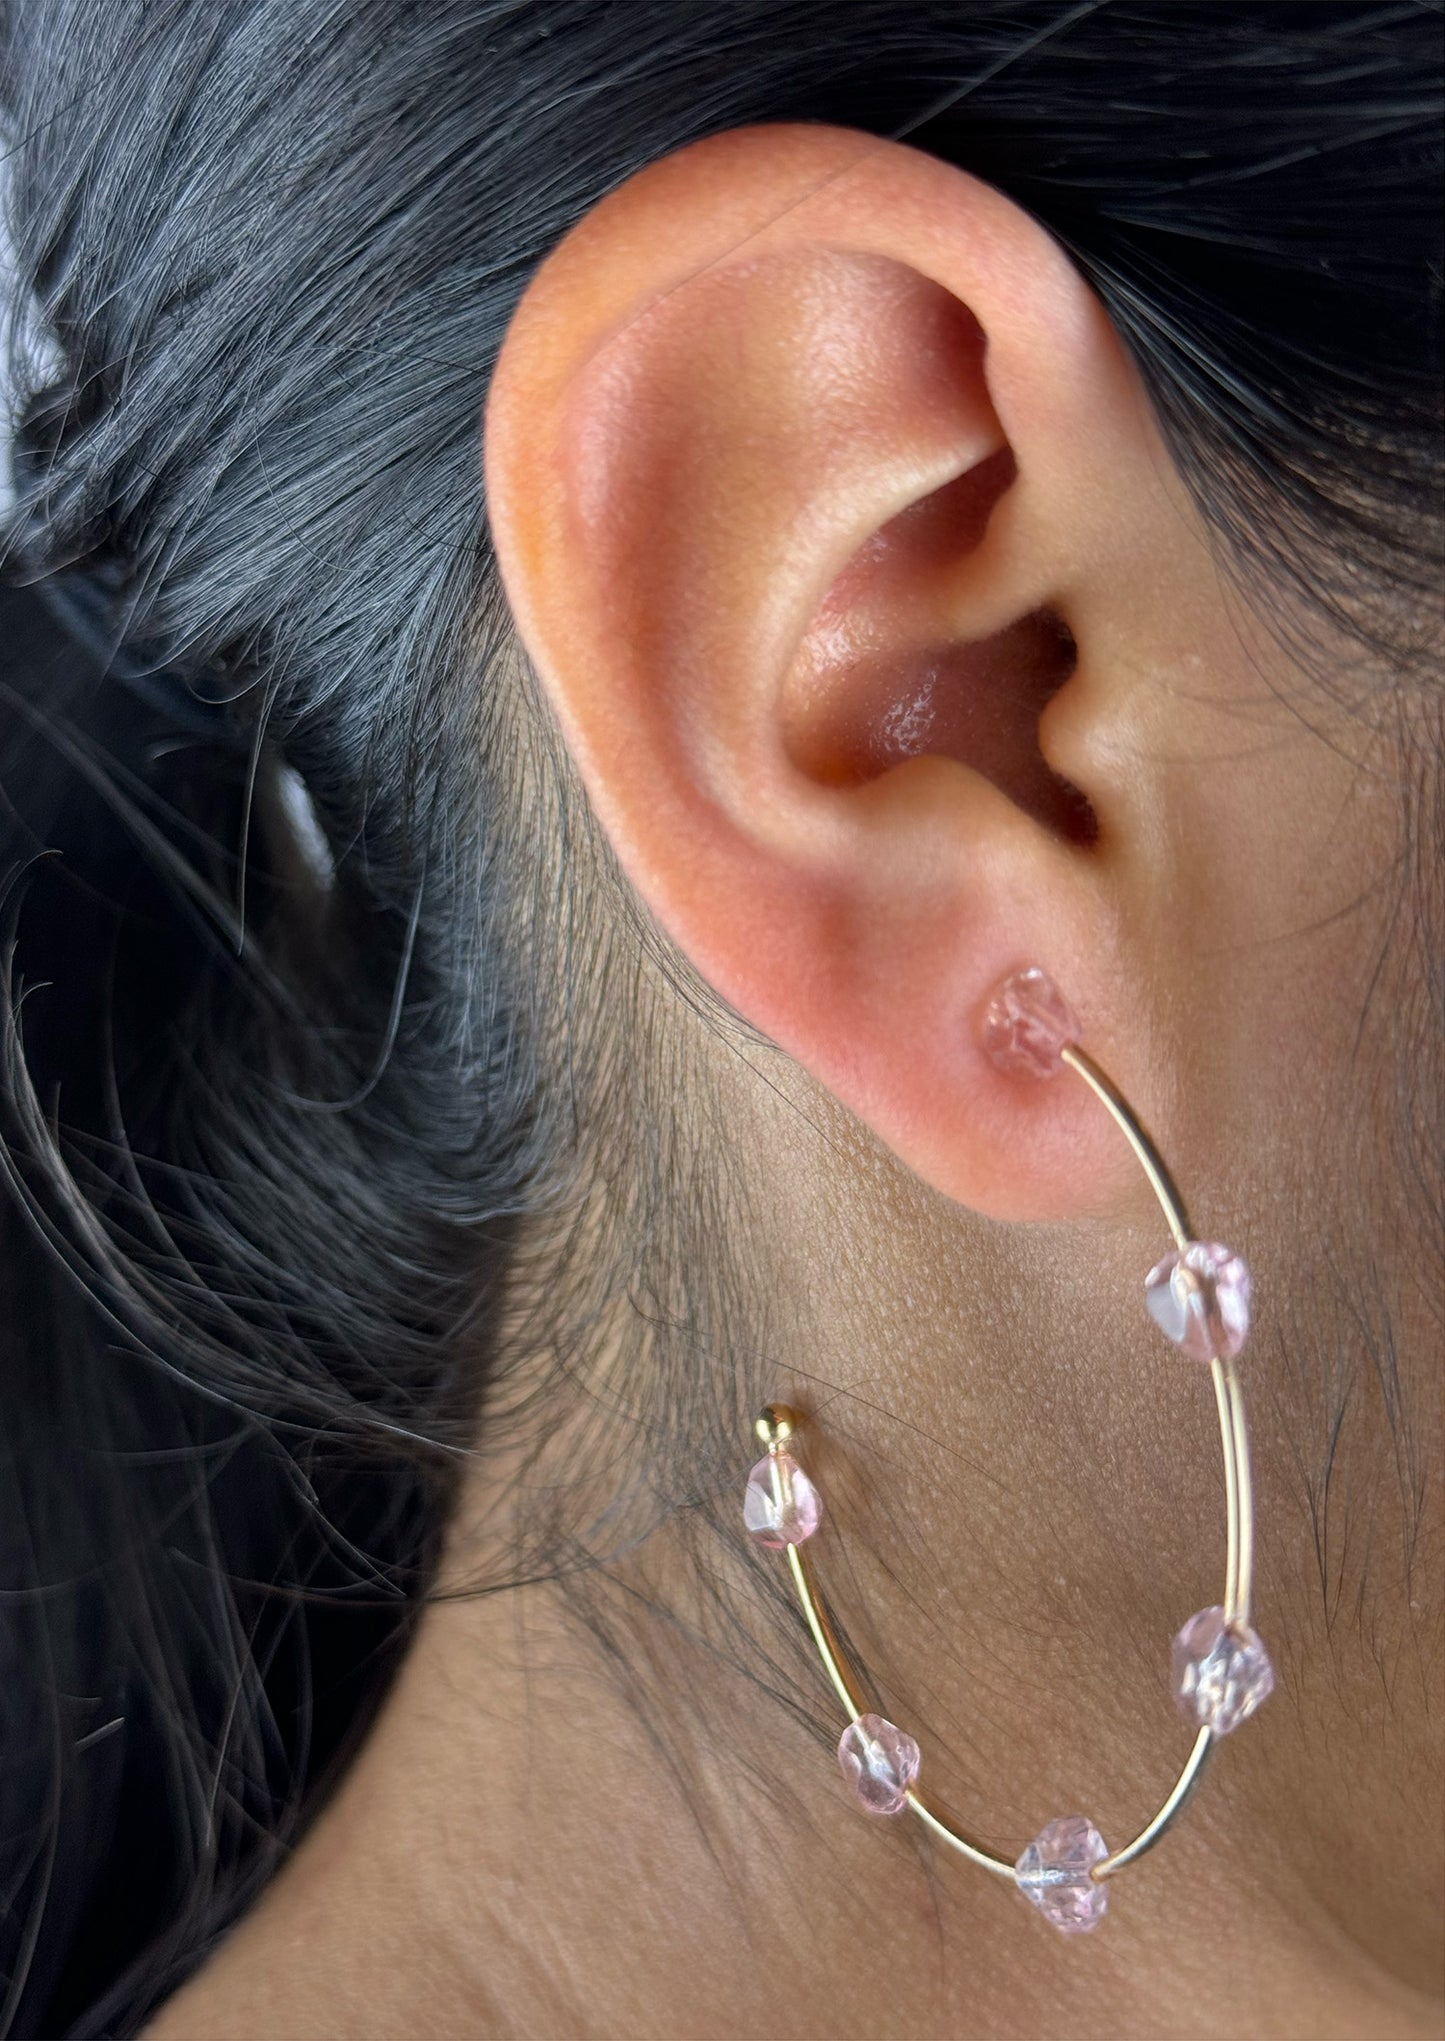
pixel 1054 1873
pixel 1199 1298
pixel 780 1505
pixel 1222 1671
pixel 1026 1024
pixel 879 1762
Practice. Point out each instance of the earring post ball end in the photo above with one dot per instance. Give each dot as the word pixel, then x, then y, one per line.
pixel 775 1424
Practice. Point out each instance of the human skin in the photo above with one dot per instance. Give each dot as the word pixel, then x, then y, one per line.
pixel 721 414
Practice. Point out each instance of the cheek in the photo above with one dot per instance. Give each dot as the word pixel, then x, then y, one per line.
pixel 1279 861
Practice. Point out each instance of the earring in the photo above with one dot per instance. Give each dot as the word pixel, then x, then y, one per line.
pixel 1198 1296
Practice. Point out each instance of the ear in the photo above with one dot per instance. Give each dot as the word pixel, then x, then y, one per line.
pixel 835 521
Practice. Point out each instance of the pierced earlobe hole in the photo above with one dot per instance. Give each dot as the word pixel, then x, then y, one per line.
pixel 1027 1024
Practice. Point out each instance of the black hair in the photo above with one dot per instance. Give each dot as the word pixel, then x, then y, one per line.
pixel 304 989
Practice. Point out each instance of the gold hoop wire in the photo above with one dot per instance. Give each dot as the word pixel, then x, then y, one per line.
pixel 777 1424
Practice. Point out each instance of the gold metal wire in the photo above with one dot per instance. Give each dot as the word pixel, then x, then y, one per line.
pixel 775 1427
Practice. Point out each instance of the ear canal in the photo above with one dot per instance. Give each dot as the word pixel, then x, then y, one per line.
pixel 881 677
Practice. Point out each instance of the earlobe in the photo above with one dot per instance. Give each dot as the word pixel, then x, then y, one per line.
pixel 786 453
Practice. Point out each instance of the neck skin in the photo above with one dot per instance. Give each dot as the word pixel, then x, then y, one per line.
pixel 516 1854
pixel 512 1856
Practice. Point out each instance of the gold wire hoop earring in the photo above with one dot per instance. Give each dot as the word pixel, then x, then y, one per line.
pixel 1198 1295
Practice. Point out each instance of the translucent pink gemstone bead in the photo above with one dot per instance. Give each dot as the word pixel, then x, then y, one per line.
pixel 1222 1671
pixel 780 1505
pixel 879 1762
pixel 1054 1872
pixel 1199 1298
pixel 1026 1023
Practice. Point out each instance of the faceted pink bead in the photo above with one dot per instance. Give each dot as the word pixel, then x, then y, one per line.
pixel 1026 1023
pixel 879 1762
pixel 1222 1671
pixel 780 1505
pixel 1054 1872
pixel 1199 1298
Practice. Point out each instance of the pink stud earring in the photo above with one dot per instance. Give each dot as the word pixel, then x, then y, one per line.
pixel 1198 1296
